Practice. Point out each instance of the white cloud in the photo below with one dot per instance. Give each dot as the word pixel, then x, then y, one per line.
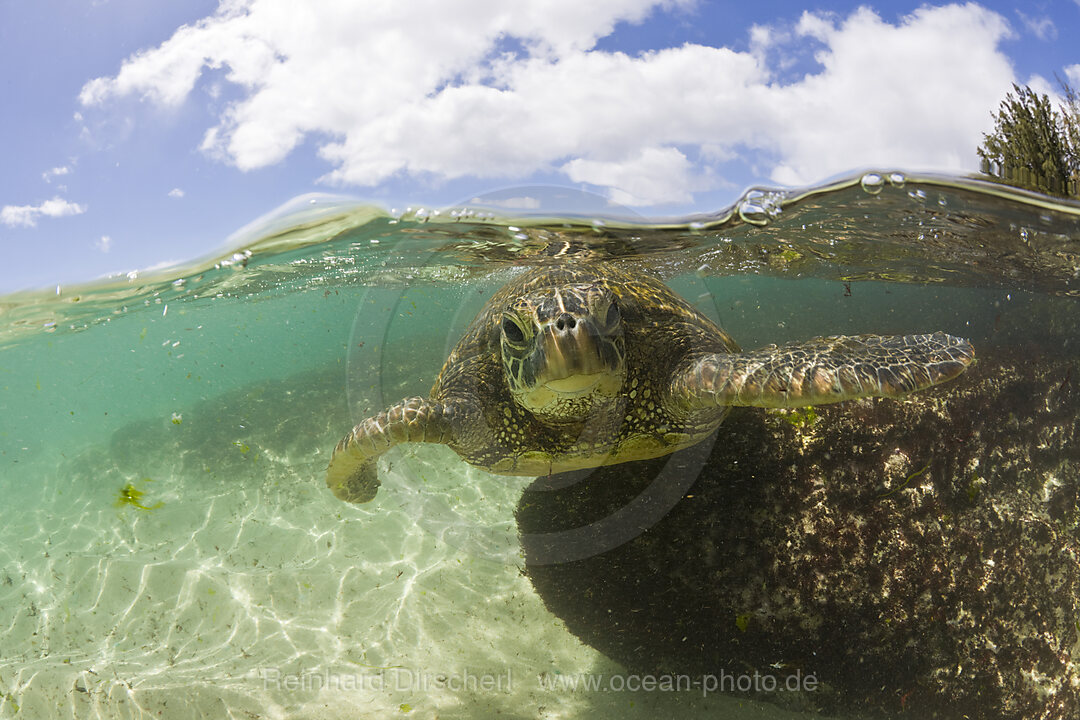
pixel 656 175
pixel 883 99
pixel 176 193
pixel 48 175
pixel 1041 27
pixel 1072 73
pixel 104 244
pixel 27 215
pixel 494 89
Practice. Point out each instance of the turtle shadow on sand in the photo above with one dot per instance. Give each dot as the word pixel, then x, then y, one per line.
pixel 918 558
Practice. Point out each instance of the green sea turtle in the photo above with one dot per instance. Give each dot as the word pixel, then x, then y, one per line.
pixel 595 364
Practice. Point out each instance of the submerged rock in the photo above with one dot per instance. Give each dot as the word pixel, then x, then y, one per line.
pixel 916 557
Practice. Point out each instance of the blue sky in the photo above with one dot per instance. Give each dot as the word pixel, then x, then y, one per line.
pixel 139 133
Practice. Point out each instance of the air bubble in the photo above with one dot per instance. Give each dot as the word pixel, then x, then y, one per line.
pixel 872 183
pixel 897 179
pixel 753 214
pixel 758 206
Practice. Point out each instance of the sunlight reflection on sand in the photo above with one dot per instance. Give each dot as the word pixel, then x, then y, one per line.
pixel 251 589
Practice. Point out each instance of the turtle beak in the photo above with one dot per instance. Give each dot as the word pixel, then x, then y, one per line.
pixel 572 365
pixel 572 360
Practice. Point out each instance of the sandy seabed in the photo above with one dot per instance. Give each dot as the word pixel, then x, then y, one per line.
pixel 236 586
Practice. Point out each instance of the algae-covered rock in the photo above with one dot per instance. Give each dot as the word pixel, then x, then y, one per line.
pixel 917 558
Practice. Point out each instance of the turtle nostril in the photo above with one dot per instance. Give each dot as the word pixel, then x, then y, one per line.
pixel 565 322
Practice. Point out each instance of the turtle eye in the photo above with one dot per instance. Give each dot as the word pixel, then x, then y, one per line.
pixel 512 331
pixel 613 316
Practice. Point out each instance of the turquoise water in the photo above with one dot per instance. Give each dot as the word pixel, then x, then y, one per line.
pixel 234 584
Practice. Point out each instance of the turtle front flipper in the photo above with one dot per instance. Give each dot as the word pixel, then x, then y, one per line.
pixel 353 473
pixel 822 370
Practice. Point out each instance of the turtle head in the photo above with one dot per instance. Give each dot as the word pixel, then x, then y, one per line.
pixel 563 350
